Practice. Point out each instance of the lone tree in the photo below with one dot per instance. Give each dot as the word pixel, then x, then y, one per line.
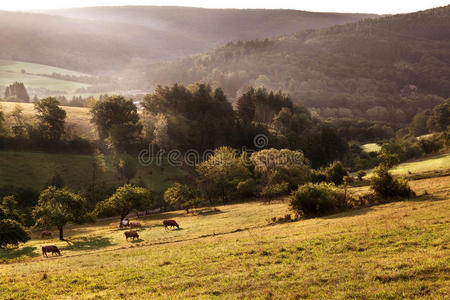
pixel 51 119
pixel 125 199
pixel 17 90
pixel 57 207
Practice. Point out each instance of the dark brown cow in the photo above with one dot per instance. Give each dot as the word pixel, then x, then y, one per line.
pixel 46 234
pixel 170 223
pixel 131 234
pixel 52 249
pixel 135 225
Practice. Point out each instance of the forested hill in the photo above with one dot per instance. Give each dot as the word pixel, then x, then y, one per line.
pixel 109 38
pixel 373 63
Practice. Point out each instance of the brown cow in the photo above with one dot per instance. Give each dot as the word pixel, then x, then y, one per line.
pixel 131 234
pixel 52 249
pixel 46 234
pixel 135 225
pixel 170 223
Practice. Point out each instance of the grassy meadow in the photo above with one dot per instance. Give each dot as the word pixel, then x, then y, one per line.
pixel 390 251
pixel 77 119
pixel 35 169
pixel 11 71
pixel 427 166
pixel 371 147
pixel 436 163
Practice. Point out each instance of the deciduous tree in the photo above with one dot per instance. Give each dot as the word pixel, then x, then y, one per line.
pixel 57 207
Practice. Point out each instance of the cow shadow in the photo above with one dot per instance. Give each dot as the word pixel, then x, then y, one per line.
pixel 88 243
pixel 11 253
pixel 136 241
pixel 163 215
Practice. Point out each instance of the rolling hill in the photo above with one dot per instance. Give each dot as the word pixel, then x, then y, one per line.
pixel 110 38
pixel 39 79
pixel 382 69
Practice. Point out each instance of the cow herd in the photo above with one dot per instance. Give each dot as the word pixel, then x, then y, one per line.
pixel 133 234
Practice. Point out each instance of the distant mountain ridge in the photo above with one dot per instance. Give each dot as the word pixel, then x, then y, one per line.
pixel 110 38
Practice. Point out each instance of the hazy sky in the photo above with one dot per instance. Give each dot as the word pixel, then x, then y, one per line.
pixel 366 6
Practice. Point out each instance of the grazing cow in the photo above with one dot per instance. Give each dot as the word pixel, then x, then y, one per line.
pixel 52 249
pixel 46 234
pixel 124 223
pixel 170 223
pixel 131 234
pixel 135 225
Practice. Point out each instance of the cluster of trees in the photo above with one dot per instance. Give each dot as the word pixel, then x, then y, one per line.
pixel 16 92
pixel 227 175
pixel 58 206
pixel 50 131
pixel 383 71
pixel 202 118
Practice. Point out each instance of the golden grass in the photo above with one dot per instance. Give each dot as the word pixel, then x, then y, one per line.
pixel 396 250
pixel 78 118
pixel 371 147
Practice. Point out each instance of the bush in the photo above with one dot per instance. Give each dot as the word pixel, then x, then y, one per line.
pixel 318 199
pixel 386 186
pixel 318 176
pixel 361 174
pixel 336 172
pixel 272 191
pixel 247 188
pixel 182 196
pixel 12 233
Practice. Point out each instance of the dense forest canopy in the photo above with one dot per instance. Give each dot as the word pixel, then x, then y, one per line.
pixel 383 69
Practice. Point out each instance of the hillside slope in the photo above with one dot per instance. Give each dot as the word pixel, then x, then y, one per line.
pixel 391 251
pixel 110 38
pixel 358 66
pixel 39 79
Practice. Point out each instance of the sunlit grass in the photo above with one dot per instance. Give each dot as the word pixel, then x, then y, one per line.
pixel 77 117
pixel 395 250
pixel 371 147
pixel 11 71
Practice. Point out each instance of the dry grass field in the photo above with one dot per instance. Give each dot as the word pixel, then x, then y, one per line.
pixel 391 251
pixel 78 118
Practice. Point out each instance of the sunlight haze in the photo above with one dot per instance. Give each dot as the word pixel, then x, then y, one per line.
pixel 378 7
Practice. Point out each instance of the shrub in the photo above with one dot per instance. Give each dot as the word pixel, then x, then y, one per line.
pixel 361 174
pixel 271 191
pixel 318 176
pixel 182 196
pixel 348 180
pixel 318 199
pixel 336 172
pixel 384 185
pixel 247 188
pixel 12 233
